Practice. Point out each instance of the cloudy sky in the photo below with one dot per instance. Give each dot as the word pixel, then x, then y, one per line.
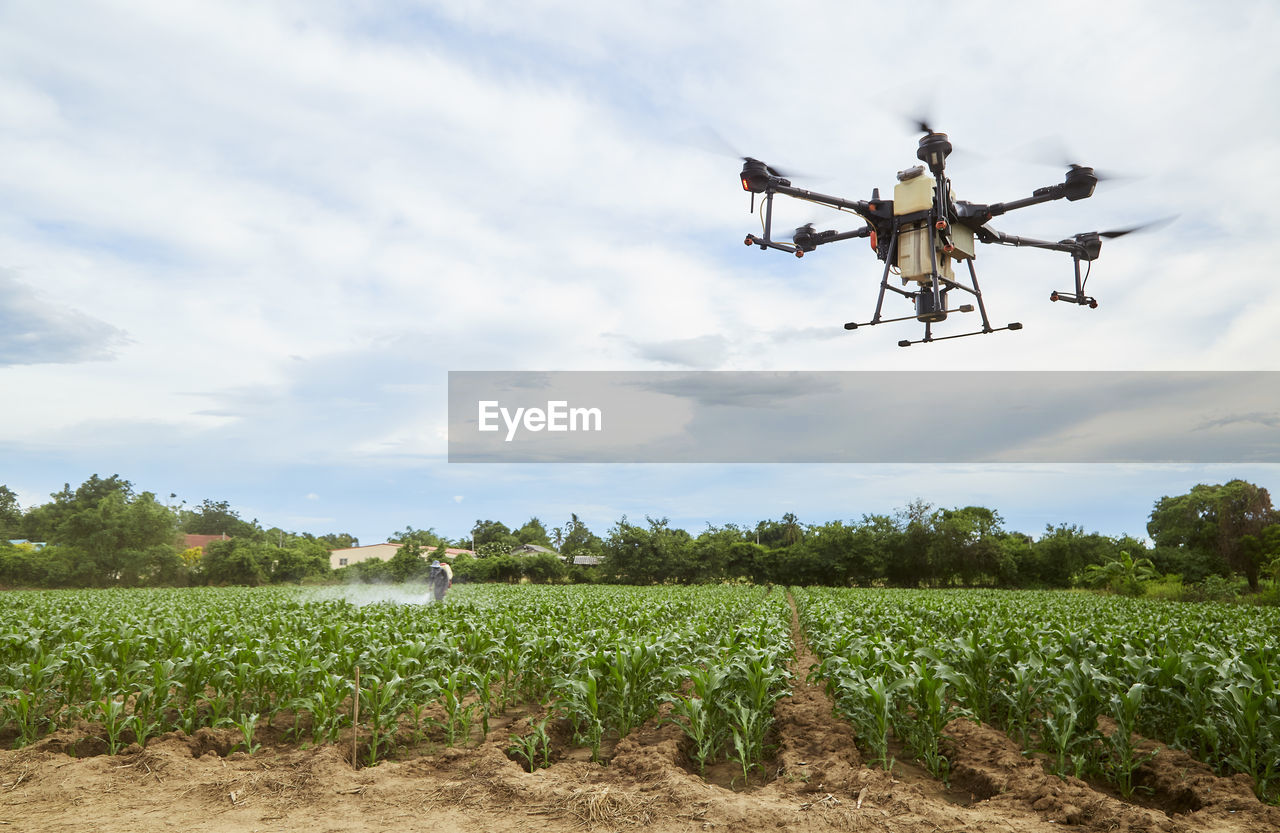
pixel 242 244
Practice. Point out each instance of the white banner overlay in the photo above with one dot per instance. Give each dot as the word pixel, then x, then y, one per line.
pixel 864 417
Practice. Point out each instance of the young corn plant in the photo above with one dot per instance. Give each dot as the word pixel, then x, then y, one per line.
pixel 1019 700
pixel 1121 756
pixel 747 727
pixel 703 724
pixel 23 710
pixel 1252 727
pixel 455 686
pixel 534 747
pixel 580 702
pixel 114 722
pixel 246 724
pixel 870 705
pixel 381 703
pixel 930 708
pixel 633 677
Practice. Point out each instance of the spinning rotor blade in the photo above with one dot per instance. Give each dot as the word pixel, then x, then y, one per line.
pixel 773 171
pixel 1101 176
pixel 709 140
pixel 1121 232
pixel 1051 150
pixel 1151 224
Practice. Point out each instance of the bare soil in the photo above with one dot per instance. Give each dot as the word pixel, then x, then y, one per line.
pixel 817 782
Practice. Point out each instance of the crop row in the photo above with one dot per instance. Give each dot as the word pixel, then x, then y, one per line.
pixel 1045 667
pixel 136 663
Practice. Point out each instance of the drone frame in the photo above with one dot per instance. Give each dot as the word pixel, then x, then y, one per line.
pixel 886 229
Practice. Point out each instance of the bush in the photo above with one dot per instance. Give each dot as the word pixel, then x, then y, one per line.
pixel 1214 589
pixel 1169 588
pixel 373 571
pixel 543 568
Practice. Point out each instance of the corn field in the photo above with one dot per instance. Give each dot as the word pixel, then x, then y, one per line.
pixel 128 665
pixel 1044 667
pixel 138 663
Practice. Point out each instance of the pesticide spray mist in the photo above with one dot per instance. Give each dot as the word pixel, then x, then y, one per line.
pixel 367 594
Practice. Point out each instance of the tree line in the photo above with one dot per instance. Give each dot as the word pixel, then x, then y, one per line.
pixel 104 533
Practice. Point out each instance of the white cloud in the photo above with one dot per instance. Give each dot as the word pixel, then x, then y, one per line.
pixel 302 214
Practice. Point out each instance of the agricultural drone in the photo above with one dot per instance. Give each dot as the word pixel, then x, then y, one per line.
pixel 924 233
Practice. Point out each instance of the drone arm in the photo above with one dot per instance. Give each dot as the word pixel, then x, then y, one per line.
pixel 989 235
pixel 1078 185
pixel 862 208
pixel 1053 192
pixel 865 231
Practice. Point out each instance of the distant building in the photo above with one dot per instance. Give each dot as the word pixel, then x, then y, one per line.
pixel 201 541
pixel 35 545
pixel 383 552
pixel 586 561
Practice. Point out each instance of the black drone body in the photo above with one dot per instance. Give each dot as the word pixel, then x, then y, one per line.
pixel 927 237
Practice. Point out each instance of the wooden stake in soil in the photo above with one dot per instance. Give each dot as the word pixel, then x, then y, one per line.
pixel 355 721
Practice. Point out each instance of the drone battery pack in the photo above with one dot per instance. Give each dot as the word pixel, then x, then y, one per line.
pixel 916 194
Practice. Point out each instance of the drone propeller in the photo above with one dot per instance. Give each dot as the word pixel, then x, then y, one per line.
pixel 773 171
pixel 709 140
pixel 1121 232
pixel 1053 151
pixel 1101 176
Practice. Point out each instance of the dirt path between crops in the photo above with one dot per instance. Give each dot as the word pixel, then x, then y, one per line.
pixel 818 784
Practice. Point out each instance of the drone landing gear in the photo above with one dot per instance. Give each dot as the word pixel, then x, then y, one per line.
pixel 1082 300
pixel 752 240
pixel 1078 297
pixel 931 302
pixel 929 337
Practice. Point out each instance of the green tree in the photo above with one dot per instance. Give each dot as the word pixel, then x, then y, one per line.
pixel 493 549
pixel 237 561
pixel 338 540
pixel 1062 553
pixel 533 532
pixel 907 549
pixel 42 523
pixel 10 515
pixel 636 555
pixel 300 559
pixel 122 539
pixel 1216 519
pixel 492 532
pixel 717 553
pixel 965 545
pixel 844 554
pixel 777 534
pixel 577 539
pixel 407 563
pixel 425 538
pixel 216 517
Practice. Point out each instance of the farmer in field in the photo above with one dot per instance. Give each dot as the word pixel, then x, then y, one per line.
pixel 441 579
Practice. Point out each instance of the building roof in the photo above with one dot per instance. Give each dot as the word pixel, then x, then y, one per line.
pixel 450 552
